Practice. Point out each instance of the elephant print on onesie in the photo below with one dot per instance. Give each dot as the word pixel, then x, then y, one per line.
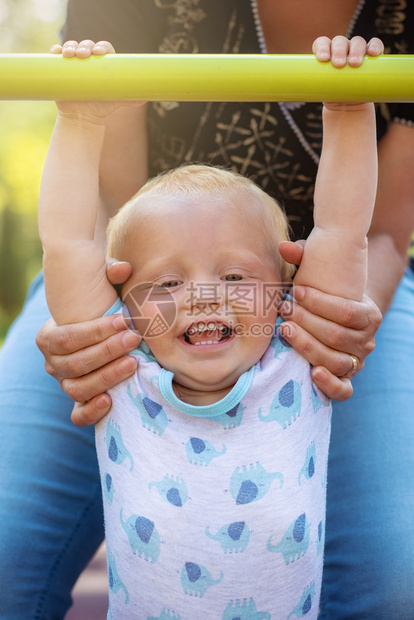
pixel 172 489
pixel 319 399
pixel 295 541
pixel 280 345
pixel 308 469
pixel 196 579
pixel 231 418
pixel 286 405
pixel 306 603
pixel 250 484
pixel 321 538
pixel 166 614
pixel 244 610
pixel 153 416
pixel 202 452
pixel 233 537
pixel 143 536
pixel 117 452
pixel 115 582
pixel 108 488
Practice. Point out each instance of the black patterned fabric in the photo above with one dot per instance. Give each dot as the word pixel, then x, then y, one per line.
pixel 277 145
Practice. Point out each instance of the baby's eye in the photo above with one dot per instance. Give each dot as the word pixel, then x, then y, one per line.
pixel 233 277
pixel 170 283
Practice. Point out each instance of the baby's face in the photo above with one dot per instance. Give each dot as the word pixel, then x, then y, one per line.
pixel 210 276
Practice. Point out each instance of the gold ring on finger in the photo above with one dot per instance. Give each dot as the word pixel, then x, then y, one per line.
pixel 354 368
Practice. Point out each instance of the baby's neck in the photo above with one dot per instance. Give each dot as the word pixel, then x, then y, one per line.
pixel 197 398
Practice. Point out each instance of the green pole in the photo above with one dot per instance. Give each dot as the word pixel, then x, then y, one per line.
pixel 199 77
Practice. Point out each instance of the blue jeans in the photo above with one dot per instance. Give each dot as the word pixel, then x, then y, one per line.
pixel 369 553
pixel 51 518
pixel 50 500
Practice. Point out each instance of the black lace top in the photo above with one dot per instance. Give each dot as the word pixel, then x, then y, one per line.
pixel 278 145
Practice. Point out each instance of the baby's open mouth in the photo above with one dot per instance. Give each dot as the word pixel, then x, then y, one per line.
pixel 207 333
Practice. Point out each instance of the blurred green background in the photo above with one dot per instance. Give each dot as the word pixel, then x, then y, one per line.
pixel 25 129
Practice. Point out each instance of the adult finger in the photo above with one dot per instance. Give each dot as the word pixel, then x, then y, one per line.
pixel 314 330
pixel 337 388
pixel 73 350
pixel 91 412
pixel 65 339
pixel 117 272
pixel 354 314
pixel 317 353
pixel 92 358
pixel 292 252
pixel 93 384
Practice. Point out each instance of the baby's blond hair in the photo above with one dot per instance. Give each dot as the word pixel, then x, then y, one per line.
pixel 198 181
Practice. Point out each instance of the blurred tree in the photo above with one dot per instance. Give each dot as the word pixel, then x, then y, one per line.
pixel 29 25
pixel 25 26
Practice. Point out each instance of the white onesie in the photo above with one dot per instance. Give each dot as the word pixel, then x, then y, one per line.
pixel 216 512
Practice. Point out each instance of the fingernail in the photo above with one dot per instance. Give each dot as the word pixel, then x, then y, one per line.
pixel 102 402
pixel 287 330
pixel 127 365
pixel 319 373
pixel 119 322
pixel 298 292
pixel 130 339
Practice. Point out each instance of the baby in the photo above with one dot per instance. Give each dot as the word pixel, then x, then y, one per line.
pixel 213 458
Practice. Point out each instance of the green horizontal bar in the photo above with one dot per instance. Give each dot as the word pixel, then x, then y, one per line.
pixel 202 77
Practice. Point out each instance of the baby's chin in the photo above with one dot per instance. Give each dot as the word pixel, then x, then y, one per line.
pixel 200 394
